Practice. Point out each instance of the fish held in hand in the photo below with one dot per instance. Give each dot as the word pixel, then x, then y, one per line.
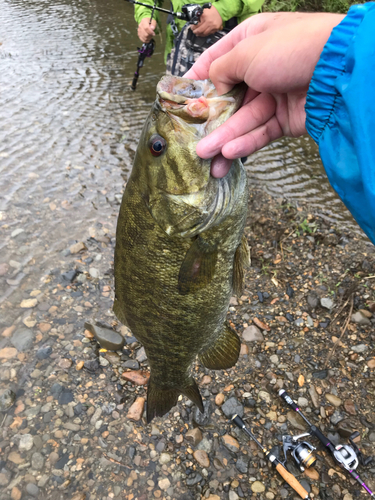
pixel 180 249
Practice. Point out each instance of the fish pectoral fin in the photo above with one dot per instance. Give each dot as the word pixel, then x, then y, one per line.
pixel 160 400
pixel 241 261
pixel 198 266
pixel 225 351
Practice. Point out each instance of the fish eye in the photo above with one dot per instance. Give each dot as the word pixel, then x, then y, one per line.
pixel 157 145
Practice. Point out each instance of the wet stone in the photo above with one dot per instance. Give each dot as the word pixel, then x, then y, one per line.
pixel 331 398
pixel 32 489
pixel 289 317
pixel 232 407
pixel 132 364
pixel 22 339
pixel 108 339
pixel 65 397
pixel 360 318
pixel 69 275
pixel 194 436
pixel 252 334
pixel 257 487
pixel 322 374
pixel 26 442
pixel 7 399
pixel 296 420
pixel 312 301
pixel 44 352
pixel 141 355
pixel 360 348
pixel 193 479
pixel 326 302
pixel 91 365
pixel 203 418
pixel 231 443
pixel 56 390
pixel 242 465
pixel 37 461
pixel 62 461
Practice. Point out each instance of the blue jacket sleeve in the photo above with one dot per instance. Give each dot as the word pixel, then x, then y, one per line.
pixel 340 113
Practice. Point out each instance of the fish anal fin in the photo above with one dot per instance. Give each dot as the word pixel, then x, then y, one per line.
pixel 241 261
pixel 224 352
pixel 160 399
pixel 198 267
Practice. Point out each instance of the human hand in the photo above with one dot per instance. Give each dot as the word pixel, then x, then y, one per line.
pixel 209 23
pixel 146 30
pixel 275 54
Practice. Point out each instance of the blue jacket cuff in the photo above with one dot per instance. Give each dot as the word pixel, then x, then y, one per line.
pixel 322 93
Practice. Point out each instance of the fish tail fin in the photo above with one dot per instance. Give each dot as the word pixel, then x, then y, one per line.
pixel 160 400
pixel 225 351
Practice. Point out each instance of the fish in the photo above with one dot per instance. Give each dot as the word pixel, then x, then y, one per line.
pixel 180 247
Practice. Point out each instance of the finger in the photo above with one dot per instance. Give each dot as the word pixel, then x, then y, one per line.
pixel 257 110
pixel 220 166
pixel 256 24
pixel 201 68
pixel 253 141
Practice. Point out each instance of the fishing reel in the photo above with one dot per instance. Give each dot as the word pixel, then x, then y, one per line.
pixel 192 12
pixel 302 452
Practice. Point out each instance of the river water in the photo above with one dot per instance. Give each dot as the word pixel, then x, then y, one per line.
pixel 69 129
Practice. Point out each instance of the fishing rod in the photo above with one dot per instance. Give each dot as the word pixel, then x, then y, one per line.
pixel 191 13
pixel 271 456
pixel 347 456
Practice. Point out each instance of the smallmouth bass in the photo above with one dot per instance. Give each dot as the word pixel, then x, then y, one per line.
pixel 180 249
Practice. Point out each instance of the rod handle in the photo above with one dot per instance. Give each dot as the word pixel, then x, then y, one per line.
pixel 292 481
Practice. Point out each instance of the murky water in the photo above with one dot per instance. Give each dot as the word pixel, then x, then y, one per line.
pixel 70 125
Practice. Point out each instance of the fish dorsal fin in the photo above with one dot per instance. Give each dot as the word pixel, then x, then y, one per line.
pixel 198 266
pixel 224 352
pixel 160 400
pixel 241 261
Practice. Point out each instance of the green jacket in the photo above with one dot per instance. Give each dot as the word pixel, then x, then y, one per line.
pixel 242 9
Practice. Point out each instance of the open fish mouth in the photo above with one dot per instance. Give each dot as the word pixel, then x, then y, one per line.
pixel 197 101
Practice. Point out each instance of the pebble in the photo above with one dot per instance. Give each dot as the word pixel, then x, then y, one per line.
pixel 7 399
pixel 303 402
pixel 327 302
pixel 164 484
pixel 32 489
pixel 274 359
pixel 44 352
pixel 312 473
pixel 264 396
pixel 371 363
pixel 37 461
pixel 331 398
pixel 219 399
pixel 141 355
pixel 136 410
pixel 65 397
pixel 15 458
pixel 231 443
pixel 296 420
pixel 257 487
pixel 360 319
pixel 15 494
pixel 194 436
pixel 65 363
pixel 232 407
pixel 165 458
pixel 8 353
pixel 94 273
pixel 349 407
pixel 108 339
pixel 26 442
pixel 312 301
pixel 96 416
pixel 77 247
pixel 314 396
pixel 137 377
pixel 360 348
pixel 252 334
pixel 202 458
pixel 22 339
pixel 28 303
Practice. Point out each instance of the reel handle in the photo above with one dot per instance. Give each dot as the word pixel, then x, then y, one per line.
pixel 292 481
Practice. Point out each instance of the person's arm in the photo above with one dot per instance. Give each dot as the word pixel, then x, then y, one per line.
pixel 142 17
pixel 340 113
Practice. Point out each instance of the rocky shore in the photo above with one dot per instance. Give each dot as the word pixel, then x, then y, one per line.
pixel 72 412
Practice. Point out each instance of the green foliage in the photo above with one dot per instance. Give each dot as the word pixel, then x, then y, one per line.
pixel 340 6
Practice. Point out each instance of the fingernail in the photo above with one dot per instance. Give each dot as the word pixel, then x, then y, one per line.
pixel 220 166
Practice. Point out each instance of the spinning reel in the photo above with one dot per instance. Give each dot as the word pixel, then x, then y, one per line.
pixel 302 453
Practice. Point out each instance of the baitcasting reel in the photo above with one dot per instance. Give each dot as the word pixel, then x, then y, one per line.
pixel 301 452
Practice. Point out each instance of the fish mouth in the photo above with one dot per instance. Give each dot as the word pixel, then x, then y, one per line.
pixel 197 101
